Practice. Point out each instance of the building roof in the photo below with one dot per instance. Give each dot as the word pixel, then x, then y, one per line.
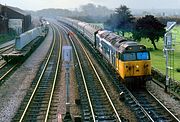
pixel 18 10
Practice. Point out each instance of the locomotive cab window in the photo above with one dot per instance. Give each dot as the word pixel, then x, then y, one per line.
pixel 143 56
pixel 128 56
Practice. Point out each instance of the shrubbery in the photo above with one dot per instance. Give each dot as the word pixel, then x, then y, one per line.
pixel 178 69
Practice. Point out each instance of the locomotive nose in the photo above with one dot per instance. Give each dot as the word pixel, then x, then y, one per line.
pixel 146 65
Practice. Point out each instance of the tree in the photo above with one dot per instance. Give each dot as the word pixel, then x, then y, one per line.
pixel 149 27
pixel 93 13
pixel 122 19
pixel 93 10
pixel 112 22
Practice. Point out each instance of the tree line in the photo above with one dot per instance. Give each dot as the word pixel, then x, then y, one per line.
pixel 143 27
pixel 120 20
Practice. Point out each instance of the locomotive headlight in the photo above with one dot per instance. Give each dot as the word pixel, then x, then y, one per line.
pixel 137 66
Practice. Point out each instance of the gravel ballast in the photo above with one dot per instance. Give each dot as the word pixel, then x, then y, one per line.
pixel 73 93
pixel 172 104
pixel 14 89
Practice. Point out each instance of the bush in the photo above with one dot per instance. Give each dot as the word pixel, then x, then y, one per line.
pixel 178 69
pixel 150 49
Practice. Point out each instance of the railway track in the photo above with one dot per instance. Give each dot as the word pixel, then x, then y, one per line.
pixel 5 70
pixel 97 105
pixel 154 107
pixel 141 111
pixel 36 105
pixel 175 94
pixel 54 113
pixel 3 64
pixel 6 48
pixel 130 100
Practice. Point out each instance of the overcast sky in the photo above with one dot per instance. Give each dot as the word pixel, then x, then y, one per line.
pixel 71 4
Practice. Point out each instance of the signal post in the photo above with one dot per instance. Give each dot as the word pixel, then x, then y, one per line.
pixel 168 50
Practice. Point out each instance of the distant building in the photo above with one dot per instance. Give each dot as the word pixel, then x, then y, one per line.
pixel 3 22
pixel 3 25
pixel 14 18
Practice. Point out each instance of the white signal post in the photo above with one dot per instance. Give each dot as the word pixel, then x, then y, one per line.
pixel 168 47
pixel 67 58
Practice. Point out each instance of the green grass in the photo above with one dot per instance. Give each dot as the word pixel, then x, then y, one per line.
pixel 157 56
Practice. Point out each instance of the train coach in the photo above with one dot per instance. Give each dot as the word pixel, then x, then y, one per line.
pixel 86 29
pixel 130 59
pixel 25 43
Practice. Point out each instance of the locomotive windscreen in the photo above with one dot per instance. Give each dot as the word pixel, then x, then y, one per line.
pixel 129 56
pixel 142 56
pixel 135 56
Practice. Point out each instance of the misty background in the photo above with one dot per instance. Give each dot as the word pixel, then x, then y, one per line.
pixel 98 13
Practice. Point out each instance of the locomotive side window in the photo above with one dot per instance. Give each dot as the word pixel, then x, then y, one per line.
pixel 142 56
pixel 97 41
pixel 129 57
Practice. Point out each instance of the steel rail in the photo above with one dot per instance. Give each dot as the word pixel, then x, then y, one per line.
pixel 84 81
pixel 164 107
pixel 2 65
pixel 66 38
pixel 9 46
pixel 117 115
pixel 143 110
pixel 141 107
pixel 163 86
pixel 99 80
pixel 32 95
pixel 82 74
pixel 8 71
pixel 55 78
pixel 6 48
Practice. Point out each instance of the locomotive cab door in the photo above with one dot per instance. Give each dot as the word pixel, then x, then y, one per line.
pixel 113 56
pixel 117 61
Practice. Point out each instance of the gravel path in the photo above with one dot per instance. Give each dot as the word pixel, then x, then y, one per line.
pixel 172 104
pixel 14 89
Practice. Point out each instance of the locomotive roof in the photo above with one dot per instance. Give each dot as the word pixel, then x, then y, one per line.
pixel 111 37
pixel 119 42
pixel 122 47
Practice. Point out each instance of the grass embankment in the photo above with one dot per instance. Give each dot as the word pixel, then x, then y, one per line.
pixel 157 56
